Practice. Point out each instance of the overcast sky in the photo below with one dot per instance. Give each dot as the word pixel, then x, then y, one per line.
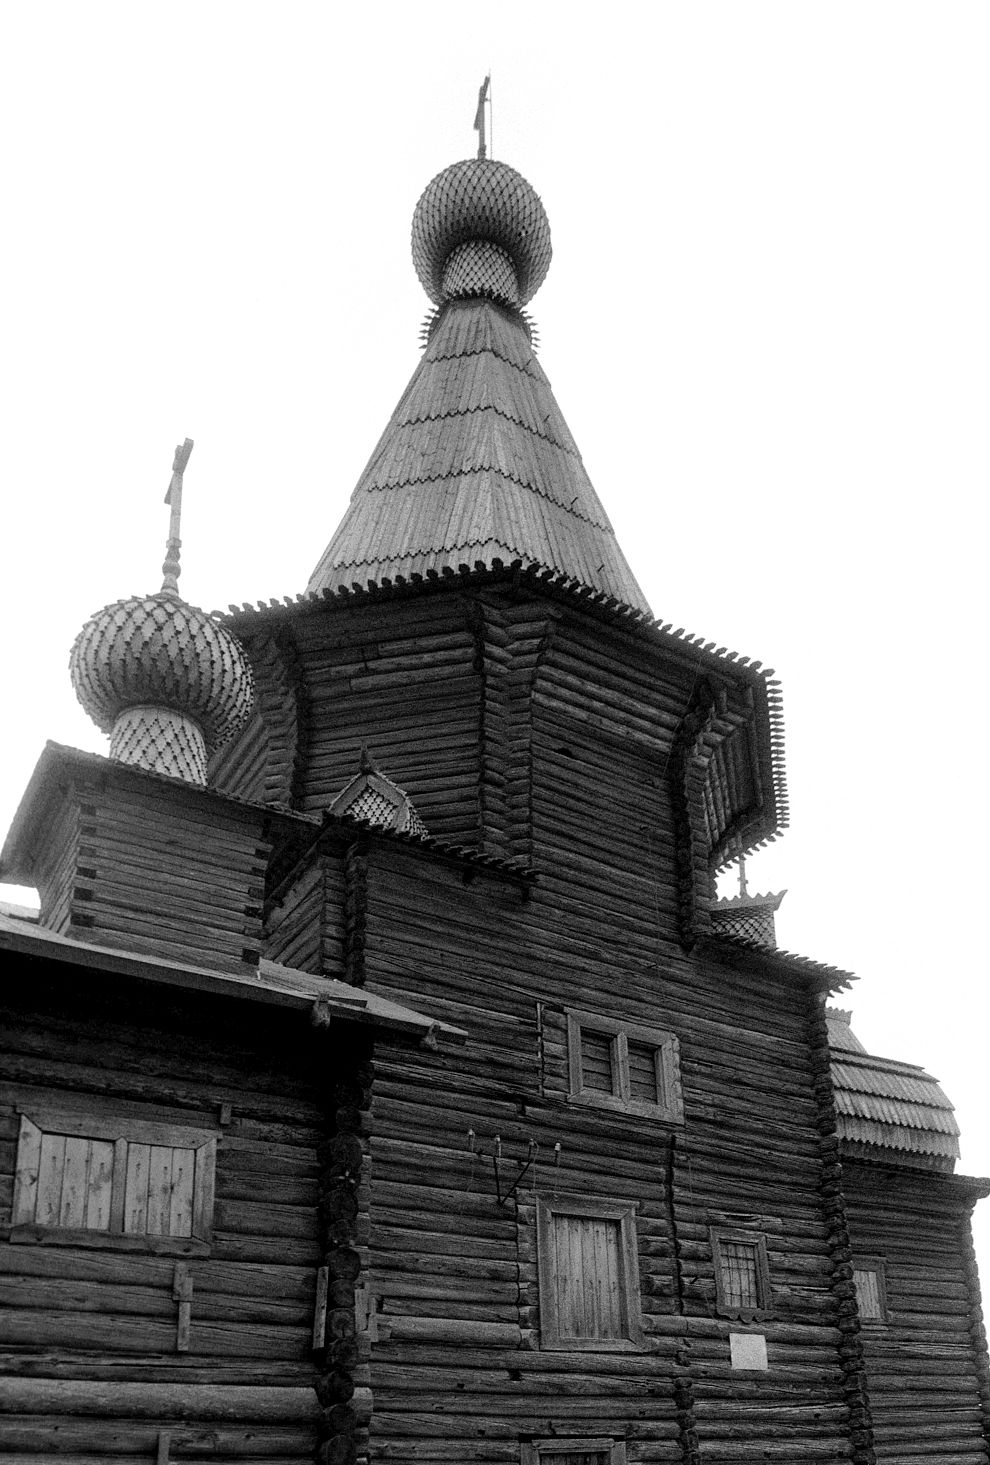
pixel 766 322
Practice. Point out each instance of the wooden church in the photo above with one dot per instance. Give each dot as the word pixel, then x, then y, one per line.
pixel 382 1079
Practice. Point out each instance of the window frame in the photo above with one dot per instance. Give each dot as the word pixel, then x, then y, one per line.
pixel 666 1058
pixel 531 1452
pixel 102 1120
pixel 764 1292
pixel 548 1207
pixel 878 1266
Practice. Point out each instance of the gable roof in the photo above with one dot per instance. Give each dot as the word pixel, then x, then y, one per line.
pixel 476 467
pixel 374 799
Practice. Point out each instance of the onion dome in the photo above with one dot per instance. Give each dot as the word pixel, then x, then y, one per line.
pixel 480 229
pixel 169 684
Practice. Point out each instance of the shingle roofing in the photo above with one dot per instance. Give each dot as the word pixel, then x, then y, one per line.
pixel 477 466
pixel 888 1106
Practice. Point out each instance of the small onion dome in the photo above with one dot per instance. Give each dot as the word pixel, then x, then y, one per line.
pixel 480 229
pixel 158 653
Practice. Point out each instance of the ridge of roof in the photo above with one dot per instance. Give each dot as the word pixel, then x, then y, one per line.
pixel 478 463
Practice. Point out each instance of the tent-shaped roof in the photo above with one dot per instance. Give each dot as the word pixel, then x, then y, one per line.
pixel 477 465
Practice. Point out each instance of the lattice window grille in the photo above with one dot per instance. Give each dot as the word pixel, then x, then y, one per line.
pixel 740 1274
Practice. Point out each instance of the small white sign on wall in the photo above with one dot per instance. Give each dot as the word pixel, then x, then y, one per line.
pixel 748 1350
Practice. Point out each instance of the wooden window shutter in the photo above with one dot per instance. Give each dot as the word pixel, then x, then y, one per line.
pixel 622 1066
pixel 584 1451
pixel 86 1172
pixel 869 1279
pixel 589 1277
pixel 588 1274
pixel 596 1062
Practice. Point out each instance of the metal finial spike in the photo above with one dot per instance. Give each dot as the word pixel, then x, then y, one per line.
pixel 479 116
pixel 743 889
pixel 170 569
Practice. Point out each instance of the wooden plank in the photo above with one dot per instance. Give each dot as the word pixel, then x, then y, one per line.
pixel 99 1192
pixel 136 1189
pixel 75 1182
pixel 203 1190
pixel 180 1217
pixel 50 1170
pixel 28 1167
pixel 182 1291
pixel 320 1307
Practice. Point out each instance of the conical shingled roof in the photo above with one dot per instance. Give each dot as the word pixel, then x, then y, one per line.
pixel 477 464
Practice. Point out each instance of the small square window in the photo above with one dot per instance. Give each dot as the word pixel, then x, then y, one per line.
pixel 584 1451
pixel 742 1275
pixel 614 1065
pixel 870 1281
pixel 89 1177
pixel 589 1274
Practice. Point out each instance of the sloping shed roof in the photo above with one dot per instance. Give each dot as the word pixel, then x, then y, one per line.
pixel 322 999
pixel 889 1109
pixel 476 467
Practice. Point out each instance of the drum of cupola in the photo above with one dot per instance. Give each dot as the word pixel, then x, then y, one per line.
pixel 477 466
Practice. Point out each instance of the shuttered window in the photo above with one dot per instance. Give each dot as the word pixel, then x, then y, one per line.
pixel 574 1452
pixel 87 1177
pixel 615 1065
pixel 589 1289
pixel 871 1290
pixel 597 1066
pixel 589 1277
pixel 742 1275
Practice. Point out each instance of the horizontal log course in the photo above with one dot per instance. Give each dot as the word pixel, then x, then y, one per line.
pixel 402 1425
pixel 179 1401
pixel 31 1328
pixel 66 1439
pixel 451 1330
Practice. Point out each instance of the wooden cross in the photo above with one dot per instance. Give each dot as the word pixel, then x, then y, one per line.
pixel 170 569
pixel 479 116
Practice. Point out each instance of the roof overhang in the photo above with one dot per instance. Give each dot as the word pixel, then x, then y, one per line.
pixel 754 957
pixel 321 1000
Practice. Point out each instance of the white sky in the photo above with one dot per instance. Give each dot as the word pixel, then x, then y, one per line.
pixel 767 323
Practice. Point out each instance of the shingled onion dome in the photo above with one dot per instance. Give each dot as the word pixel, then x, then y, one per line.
pixel 169 684
pixel 480 229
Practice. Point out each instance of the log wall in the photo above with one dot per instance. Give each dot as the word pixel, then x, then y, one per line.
pixel 458 1369
pixel 408 689
pixel 154 867
pixel 92 1364
pixel 523 726
pixel 925 1365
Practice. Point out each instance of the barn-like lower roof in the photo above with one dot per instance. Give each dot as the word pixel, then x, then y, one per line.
pixel 888 1109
